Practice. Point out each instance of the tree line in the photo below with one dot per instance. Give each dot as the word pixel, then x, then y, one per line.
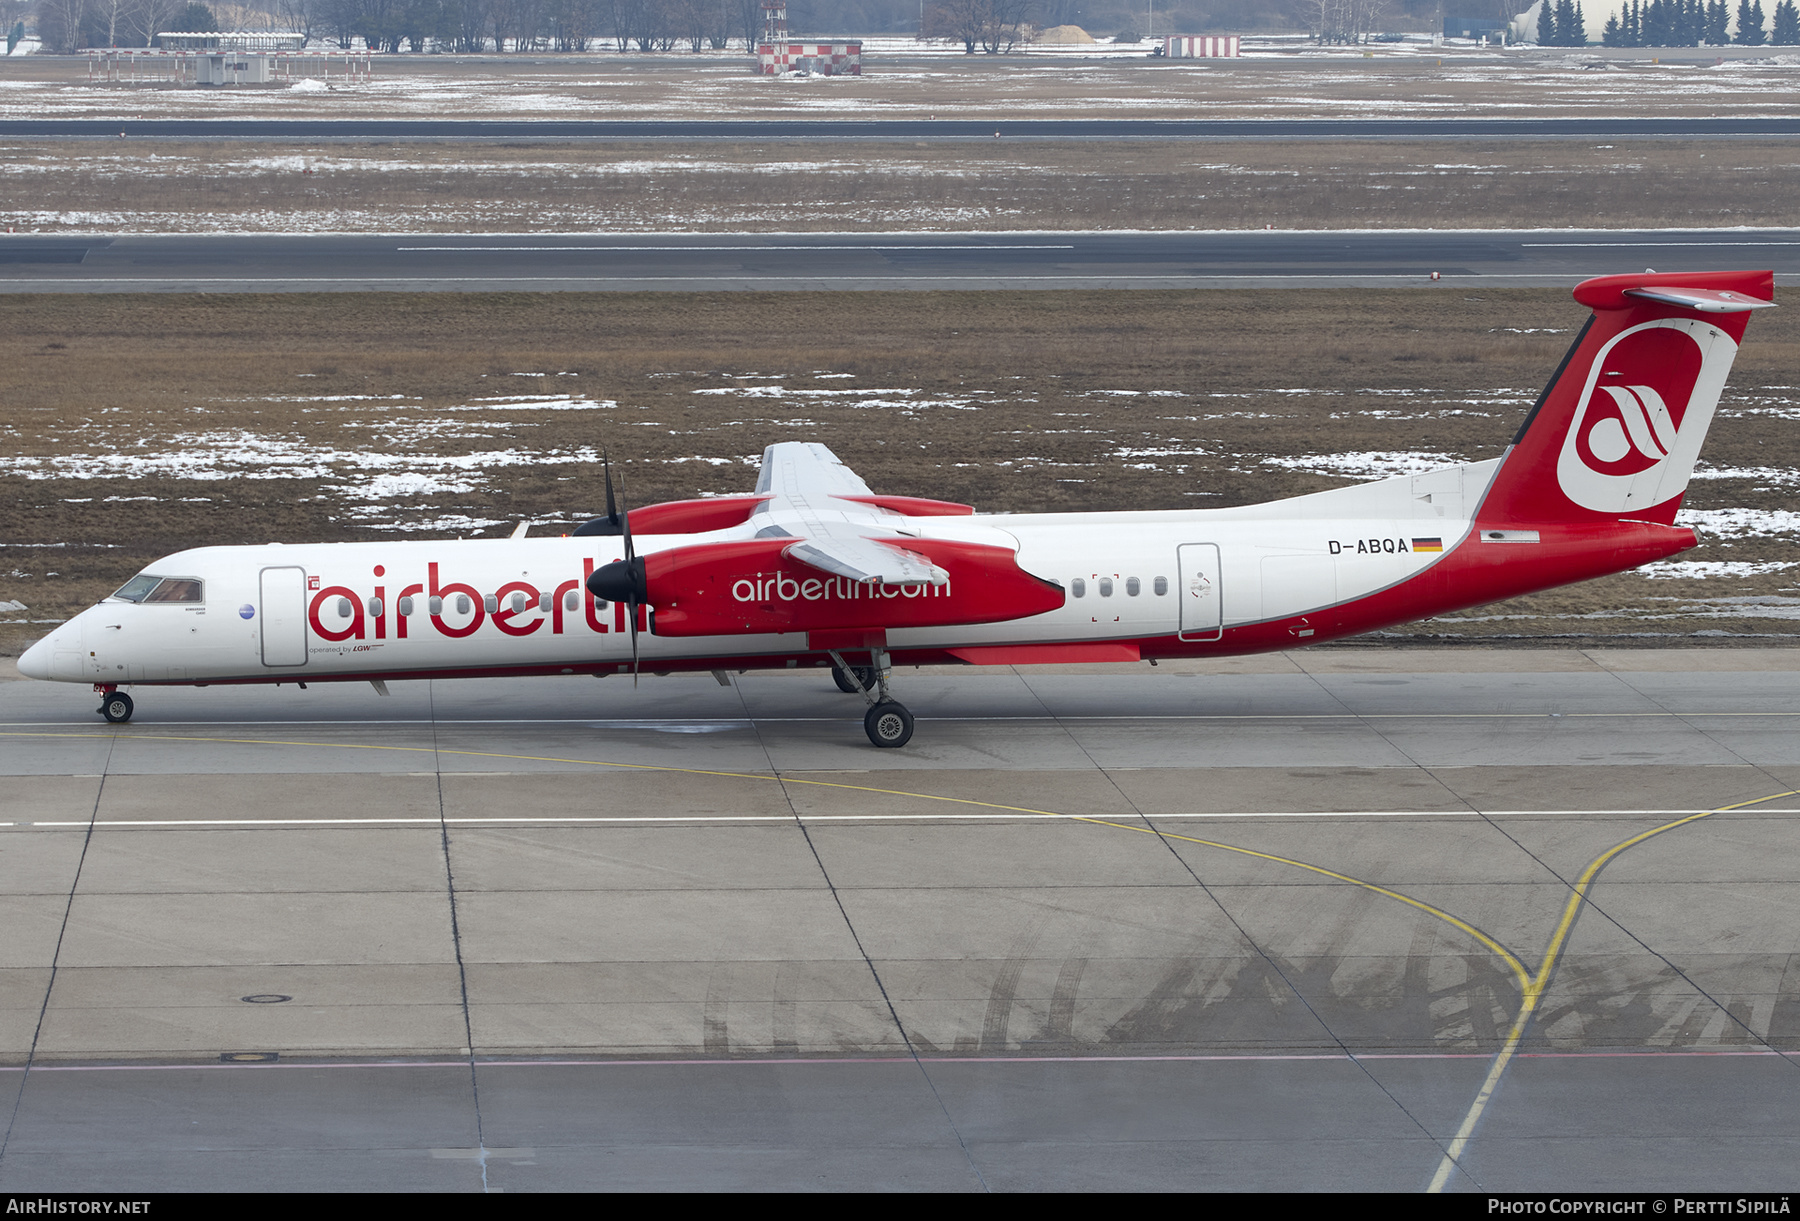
pixel 1693 23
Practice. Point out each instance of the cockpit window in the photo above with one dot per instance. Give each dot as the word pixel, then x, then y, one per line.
pixel 135 589
pixel 146 588
pixel 178 589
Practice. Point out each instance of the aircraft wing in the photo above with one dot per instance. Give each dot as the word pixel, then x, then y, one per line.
pixel 805 473
pixel 806 484
pixel 864 559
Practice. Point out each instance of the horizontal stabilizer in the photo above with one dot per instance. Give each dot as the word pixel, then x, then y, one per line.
pixel 1706 300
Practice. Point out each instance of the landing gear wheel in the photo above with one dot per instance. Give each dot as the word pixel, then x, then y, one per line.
pixel 864 674
pixel 888 724
pixel 116 707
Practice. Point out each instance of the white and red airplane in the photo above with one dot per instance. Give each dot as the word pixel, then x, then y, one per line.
pixel 814 569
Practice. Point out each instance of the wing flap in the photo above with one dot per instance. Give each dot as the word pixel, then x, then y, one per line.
pixel 866 559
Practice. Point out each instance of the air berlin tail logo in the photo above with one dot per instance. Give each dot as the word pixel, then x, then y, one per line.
pixel 1645 408
pixel 1631 433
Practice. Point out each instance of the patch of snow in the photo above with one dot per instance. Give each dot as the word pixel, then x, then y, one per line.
pixel 1761 474
pixel 1367 464
pixel 1740 523
pixel 1697 570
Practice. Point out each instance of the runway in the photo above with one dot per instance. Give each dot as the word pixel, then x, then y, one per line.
pixel 1261 923
pixel 313 130
pixel 906 261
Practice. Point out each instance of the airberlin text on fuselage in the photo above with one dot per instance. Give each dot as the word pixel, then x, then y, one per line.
pixel 779 587
pixel 380 615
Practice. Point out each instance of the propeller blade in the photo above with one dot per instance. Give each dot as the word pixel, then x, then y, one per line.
pixel 634 571
pixel 630 551
pixel 622 580
pixel 612 508
pixel 611 523
pixel 632 611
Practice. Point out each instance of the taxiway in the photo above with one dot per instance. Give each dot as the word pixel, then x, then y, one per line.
pixel 900 261
pixel 1253 923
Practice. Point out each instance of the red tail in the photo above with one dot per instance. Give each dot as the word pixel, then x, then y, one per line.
pixel 1616 431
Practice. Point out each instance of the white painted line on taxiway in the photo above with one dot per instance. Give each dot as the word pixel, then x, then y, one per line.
pixel 1676 245
pixel 997 816
pixel 463 1062
pixel 812 249
pixel 685 726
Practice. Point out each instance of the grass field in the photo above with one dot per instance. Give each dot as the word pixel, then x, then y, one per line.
pixel 1336 83
pixel 136 426
pixel 191 186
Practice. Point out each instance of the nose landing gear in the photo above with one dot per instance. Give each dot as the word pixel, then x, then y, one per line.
pixel 115 705
pixel 887 722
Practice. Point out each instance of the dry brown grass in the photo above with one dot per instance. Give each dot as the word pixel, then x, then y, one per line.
pixel 993 89
pixel 1000 399
pixel 535 187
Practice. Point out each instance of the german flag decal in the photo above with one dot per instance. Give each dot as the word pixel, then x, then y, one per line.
pixel 1428 544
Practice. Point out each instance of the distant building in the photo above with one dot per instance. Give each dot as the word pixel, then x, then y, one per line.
pixel 815 58
pixel 1202 46
pixel 777 55
pixel 1490 28
pixel 217 41
pixel 225 59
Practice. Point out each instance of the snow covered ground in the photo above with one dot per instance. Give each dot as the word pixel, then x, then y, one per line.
pixel 1293 82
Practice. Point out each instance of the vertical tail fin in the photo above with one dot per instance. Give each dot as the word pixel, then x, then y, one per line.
pixel 1616 431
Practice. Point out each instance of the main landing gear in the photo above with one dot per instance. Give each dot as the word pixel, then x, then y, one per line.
pixel 115 705
pixel 887 722
pixel 853 679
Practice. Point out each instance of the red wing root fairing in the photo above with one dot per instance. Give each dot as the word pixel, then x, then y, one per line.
pixel 814 568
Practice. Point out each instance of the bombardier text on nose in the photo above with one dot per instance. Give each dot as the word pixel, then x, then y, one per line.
pixel 813 568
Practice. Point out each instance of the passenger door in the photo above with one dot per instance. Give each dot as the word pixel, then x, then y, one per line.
pixel 283 613
pixel 1202 614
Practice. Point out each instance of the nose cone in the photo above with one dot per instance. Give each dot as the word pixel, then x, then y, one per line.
pixel 35 661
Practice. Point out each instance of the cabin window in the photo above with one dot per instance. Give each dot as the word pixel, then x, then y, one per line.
pixel 1078 587
pixel 1133 586
pixel 162 589
pixel 375 608
pixel 518 603
pixel 544 601
pixel 1106 587
pixel 571 601
pixel 490 604
pixel 344 609
pixel 463 605
pixel 1161 586
pixel 436 605
pixel 406 605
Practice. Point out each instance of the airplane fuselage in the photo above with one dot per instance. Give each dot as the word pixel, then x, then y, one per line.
pixel 1134 585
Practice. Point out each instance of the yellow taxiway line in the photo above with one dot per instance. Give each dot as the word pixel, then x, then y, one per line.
pixel 1534 987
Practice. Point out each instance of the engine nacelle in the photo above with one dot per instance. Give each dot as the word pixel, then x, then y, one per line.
pixel 681 516
pixel 720 589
